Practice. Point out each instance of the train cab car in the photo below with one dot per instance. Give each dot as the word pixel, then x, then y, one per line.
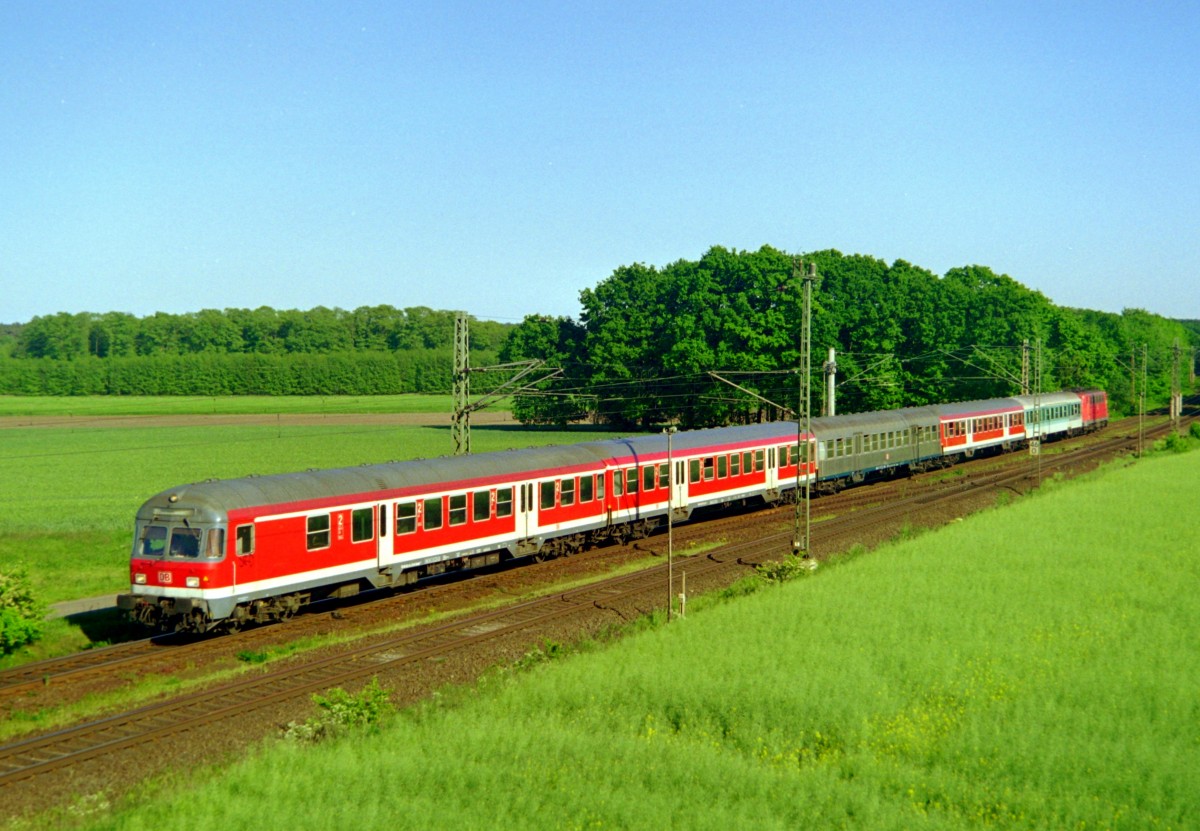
pixel 973 426
pixel 179 555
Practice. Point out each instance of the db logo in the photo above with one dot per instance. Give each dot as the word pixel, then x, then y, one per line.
pixel 164 577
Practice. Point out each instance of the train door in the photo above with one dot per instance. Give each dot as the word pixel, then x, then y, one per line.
pixel 384 527
pixel 679 486
pixel 772 471
pixel 526 511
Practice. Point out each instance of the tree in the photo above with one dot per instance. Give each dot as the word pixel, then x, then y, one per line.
pixel 20 613
pixel 557 341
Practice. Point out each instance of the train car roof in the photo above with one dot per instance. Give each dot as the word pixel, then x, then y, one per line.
pixel 215 497
pixel 1048 399
pixel 981 407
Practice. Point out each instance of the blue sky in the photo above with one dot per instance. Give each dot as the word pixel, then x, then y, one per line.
pixel 501 157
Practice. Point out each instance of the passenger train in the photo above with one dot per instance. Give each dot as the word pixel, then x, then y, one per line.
pixel 221 554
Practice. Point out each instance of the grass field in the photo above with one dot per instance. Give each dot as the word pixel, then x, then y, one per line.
pixel 1031 667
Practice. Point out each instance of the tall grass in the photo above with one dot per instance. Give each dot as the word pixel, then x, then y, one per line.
pixel 1034 667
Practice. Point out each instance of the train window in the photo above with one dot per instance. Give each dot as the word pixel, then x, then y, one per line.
pixel 708 468
pixel 694 470
pixel 648 478
pixel 586 488
pixel 244 540
pixel 214 544
pixel 362 525
pixel 618 483
pixel 568 492
pixel 406 517
pixel 431 516
pixel 547 494
pixel 458 509
pixel 735 464
pixel 185 542
pixel 758 461
pixel 154 541
pixel 318 532
pixel 631 485
pixel 722 466
pixel 481 506
pixel 664 475
pixel 504 502
pixel 600 486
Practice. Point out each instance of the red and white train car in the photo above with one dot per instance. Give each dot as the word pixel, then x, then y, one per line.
pixel 223 553
pixel 978 425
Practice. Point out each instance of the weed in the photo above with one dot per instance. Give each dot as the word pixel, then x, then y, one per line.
pixel 343 712
pixel 548 651
pixel 789 568
pixel 250 657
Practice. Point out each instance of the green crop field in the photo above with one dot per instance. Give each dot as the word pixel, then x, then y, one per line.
pixel 1034 667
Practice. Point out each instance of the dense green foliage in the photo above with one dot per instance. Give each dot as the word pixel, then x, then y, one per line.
pixel 648 338
pixel 372 350
pixel 1031 668
pixel 20 612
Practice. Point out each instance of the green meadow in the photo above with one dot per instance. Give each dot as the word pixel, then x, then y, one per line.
pixel 1032 667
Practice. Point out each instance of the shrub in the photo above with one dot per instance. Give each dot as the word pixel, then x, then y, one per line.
pixel 1175 443
pixel 342 712
pixel 789 568
pixel 20 613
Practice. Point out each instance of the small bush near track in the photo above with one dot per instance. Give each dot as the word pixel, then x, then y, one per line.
pixel 789 568
pixel 20 613
pixel 343 712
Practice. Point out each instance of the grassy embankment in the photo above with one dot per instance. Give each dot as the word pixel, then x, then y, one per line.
pixel 1032 667
pixel 68 493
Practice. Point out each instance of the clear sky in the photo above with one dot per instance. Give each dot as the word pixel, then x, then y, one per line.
pixel 500 157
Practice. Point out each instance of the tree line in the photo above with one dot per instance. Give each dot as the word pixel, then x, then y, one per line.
pixel 649 339
pixel 645 347
pixel 262 331
pixel 371 350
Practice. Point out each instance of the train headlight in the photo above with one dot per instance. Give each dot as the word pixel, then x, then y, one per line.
pixel 193 582
pixel 140 579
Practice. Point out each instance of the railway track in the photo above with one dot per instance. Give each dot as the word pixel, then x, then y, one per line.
pixel 32 759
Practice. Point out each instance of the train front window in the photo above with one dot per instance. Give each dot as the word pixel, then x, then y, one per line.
pixel 185 543
pixel 153 542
